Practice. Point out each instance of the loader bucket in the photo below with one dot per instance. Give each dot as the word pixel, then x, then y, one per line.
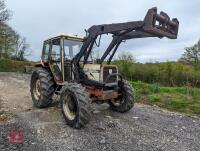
pixel 160 24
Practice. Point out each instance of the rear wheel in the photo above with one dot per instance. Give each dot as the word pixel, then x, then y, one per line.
pixel 75 103
pixel 42 87
pixel 126 101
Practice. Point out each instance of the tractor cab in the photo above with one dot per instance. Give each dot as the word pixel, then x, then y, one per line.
pixel 58 52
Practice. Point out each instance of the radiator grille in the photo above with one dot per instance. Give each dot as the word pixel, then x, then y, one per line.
pixel 107 70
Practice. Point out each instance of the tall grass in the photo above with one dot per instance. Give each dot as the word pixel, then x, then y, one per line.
pixel 181 99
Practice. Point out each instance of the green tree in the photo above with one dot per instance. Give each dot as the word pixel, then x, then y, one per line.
pixel 7 44
pixel 12 45
pixel 125 64
pixel 192 55
pixel 126 58
pixel 5 14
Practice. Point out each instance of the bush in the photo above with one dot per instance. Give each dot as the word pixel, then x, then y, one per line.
pixel 165 74
pixel 7 65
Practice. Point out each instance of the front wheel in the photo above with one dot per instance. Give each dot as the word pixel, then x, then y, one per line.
pixel 42 87
pixel 126 100
pixel 75 104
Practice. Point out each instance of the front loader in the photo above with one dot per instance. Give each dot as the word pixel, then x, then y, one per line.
pixel 66 70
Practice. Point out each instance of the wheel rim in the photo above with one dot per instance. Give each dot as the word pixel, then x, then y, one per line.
pixel 37 89
pixel 70 107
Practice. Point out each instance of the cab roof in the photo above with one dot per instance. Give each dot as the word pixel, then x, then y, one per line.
pixel 67 36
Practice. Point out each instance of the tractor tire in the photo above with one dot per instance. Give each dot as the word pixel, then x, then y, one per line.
pixel 75 104
pixel 126 102
pixel 42 87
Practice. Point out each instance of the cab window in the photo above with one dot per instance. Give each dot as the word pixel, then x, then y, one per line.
pixel 71 48
pixel 55 50
pixel 46 48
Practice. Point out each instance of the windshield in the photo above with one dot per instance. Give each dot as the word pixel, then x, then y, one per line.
pixel 71 48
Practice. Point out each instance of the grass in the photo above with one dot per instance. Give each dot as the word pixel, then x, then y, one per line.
pixel 179 99
pixel 7 65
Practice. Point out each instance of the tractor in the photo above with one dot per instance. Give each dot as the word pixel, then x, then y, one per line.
pixel 65 68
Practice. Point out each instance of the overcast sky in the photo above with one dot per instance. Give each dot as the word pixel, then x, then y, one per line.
pixel 39 19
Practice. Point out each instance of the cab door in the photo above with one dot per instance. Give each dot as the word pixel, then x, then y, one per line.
pixel 55 59
pixel 45 52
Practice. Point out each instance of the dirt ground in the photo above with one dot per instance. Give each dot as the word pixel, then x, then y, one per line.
pixel 143 128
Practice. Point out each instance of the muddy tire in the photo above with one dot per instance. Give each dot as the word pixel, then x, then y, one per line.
pixel 75 104
pixel 126 102
pixel 42 87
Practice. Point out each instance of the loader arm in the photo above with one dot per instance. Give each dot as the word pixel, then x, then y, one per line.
pixel 153 25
